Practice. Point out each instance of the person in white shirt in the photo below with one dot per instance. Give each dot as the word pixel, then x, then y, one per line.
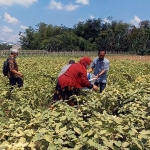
pixel 64 69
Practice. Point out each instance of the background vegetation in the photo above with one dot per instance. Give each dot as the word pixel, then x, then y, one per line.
pixel 89 35
pixel 5 46
pixel 119 118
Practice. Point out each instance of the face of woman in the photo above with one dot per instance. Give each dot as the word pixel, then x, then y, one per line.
pixel 86 64
pixel 87 67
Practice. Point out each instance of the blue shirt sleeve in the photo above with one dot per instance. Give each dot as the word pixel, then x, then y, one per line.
pixel 93 64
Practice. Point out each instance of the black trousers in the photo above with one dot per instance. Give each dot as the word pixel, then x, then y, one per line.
pixel 16 81
pixel 65 93
pixel 101 85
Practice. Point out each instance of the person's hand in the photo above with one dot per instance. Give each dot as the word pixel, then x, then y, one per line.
pixel 96 77
pixel 20 74
pixel 95 88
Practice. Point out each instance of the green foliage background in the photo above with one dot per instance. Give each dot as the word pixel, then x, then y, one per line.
pixel 119 118
pixel 89 35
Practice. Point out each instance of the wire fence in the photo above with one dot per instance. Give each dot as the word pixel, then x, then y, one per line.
pixel 91 54
pixel 4 53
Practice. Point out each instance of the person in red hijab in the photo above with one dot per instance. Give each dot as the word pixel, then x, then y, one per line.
pixel 75 78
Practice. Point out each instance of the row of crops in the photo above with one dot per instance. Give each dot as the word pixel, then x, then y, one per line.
pixel 118 118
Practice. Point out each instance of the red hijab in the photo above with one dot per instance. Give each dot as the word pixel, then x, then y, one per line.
pixel 85 61
pixel 76 74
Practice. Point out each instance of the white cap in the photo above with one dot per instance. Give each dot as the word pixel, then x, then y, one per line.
pixel 14 50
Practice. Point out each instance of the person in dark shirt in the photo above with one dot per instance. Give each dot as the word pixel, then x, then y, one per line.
pixel 14 76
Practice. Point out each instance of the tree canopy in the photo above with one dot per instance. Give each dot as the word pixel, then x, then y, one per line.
pixel 5 46
pixel 89 35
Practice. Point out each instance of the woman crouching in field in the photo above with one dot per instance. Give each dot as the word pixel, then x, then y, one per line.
pixel 72 80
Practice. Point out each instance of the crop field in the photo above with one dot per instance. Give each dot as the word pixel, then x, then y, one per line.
pixel 143 59
pixel 117 119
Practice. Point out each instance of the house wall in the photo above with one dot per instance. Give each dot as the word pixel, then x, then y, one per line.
pixel 16 46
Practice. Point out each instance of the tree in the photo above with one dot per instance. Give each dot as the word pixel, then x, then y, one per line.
pixel 145 24
pixel 88 29
pixel 27 39
pixel 5 46
pixel 92 34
